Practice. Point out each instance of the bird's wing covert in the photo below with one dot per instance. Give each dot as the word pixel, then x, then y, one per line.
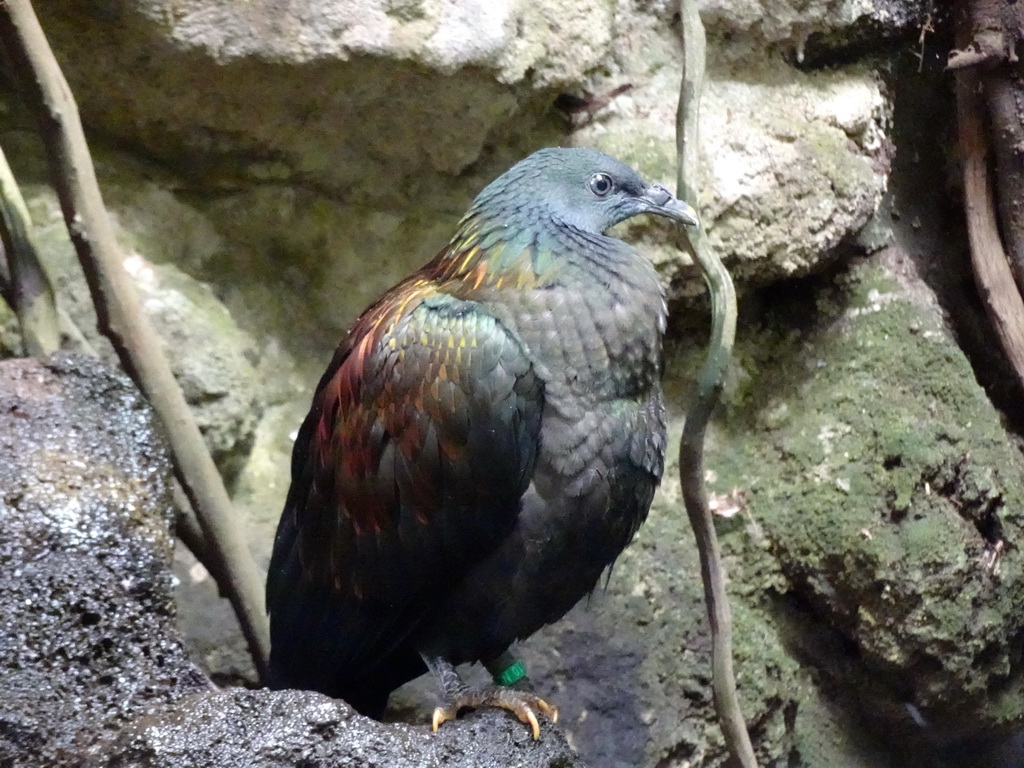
pixel 411 464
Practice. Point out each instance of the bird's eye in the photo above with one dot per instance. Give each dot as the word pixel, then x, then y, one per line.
pixel 601 184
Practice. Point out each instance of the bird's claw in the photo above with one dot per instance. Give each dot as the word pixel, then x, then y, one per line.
pixel 526 714
pixel 442 715
pixel 548 709
pixel 523 705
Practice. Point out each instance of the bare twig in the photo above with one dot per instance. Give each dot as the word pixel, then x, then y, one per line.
pixel 709 389
pixel 999 27
pixel 991 268
pixel 32 292
pixel 120 316
pixel 71 331
pixel 926 27
pixel 30 284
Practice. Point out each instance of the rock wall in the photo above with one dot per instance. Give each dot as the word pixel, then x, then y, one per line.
pixel 272 166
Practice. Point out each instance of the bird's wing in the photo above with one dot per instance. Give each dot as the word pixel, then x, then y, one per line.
pixel 410 467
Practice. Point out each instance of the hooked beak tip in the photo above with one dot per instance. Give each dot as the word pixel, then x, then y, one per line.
pixel 664 203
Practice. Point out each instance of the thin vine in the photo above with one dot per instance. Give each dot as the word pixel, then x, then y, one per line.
pixel 706 397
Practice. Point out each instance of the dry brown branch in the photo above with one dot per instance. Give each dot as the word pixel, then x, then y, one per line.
pixel 1004 96
pixel 991 269
pixel 32 294
pixel 709 389
pixel 120 316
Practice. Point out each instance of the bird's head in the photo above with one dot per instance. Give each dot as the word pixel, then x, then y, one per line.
pixel 582 188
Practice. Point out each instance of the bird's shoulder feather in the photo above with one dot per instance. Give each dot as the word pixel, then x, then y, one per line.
pixel 420 443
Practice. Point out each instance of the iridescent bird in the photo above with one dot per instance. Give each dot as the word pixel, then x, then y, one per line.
pixel 484 444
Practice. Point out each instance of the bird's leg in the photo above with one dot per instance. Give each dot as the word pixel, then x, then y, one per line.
pixel 459 696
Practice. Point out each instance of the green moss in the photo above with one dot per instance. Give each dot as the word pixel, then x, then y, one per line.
pixel 876 471
pixel 10 332
pixel 848 173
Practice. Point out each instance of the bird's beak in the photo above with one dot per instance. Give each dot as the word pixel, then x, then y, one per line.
pixel 661 202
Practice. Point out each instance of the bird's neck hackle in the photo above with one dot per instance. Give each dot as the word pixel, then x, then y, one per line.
pixel 523 249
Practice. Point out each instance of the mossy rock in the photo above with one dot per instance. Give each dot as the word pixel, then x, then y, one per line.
pixel 886 495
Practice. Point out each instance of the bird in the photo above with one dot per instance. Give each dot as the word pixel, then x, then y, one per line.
pixel 485 442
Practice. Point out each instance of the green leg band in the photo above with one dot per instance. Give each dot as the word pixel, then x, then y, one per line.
pixel 506 669
pixel 511 674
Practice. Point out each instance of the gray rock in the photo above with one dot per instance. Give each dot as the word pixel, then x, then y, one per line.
pixel 880 490
pixel 791 24
pixel 281 729
pixel 769 136
pixel 87 637
pixel 329 80
pixel 430 100
pixel 92 668
pixel 219 366
pixel 214 361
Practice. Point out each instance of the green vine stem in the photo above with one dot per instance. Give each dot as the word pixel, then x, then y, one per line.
pixel 709 389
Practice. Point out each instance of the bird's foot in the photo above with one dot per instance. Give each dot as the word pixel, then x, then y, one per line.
pixel 522 704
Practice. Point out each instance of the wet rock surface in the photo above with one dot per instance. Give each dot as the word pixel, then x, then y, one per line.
pixel 87 634
pixel 279 729
pixel 93 670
